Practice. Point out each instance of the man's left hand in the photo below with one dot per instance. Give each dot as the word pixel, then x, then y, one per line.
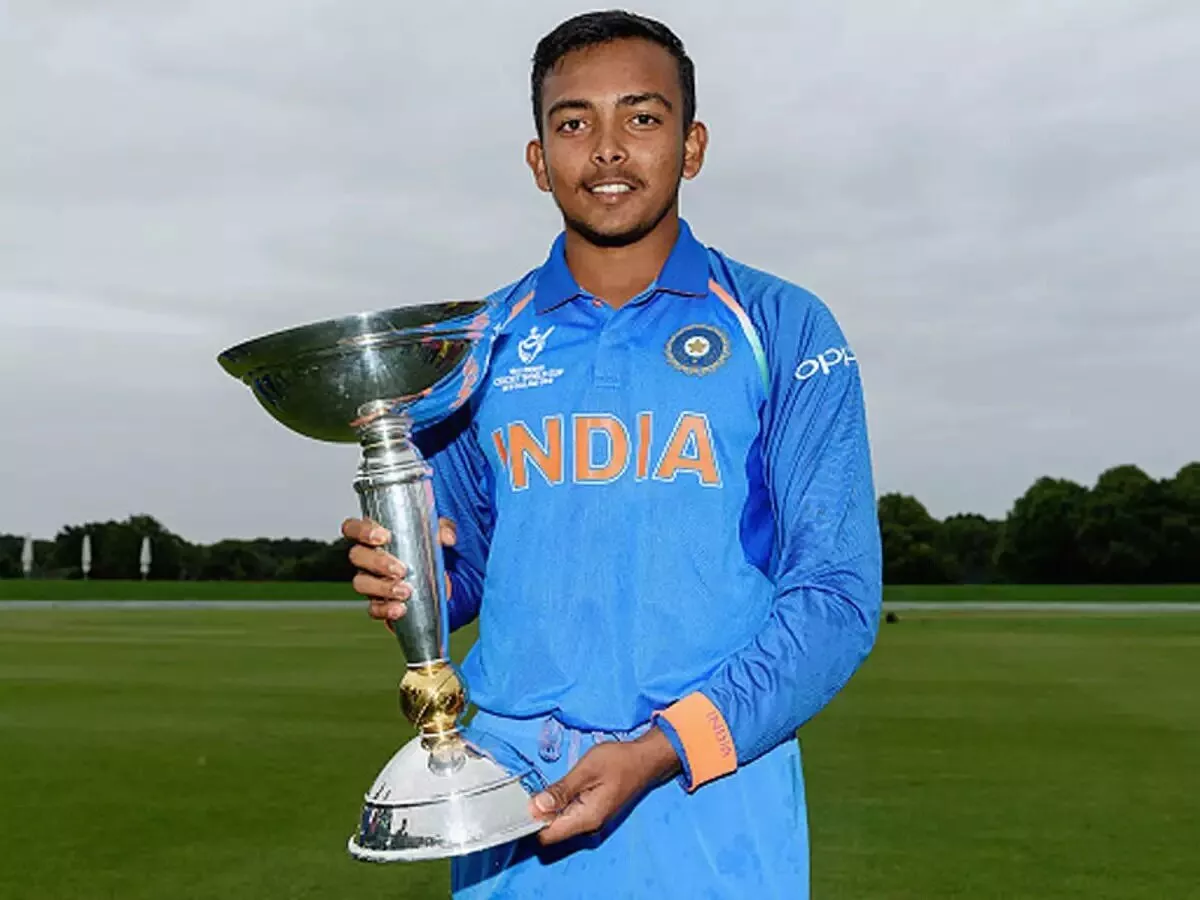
pixel 607 778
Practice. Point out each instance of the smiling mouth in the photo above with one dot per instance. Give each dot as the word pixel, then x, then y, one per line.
pixel 610 189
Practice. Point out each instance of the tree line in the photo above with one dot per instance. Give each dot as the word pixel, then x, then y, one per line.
pixel 116 547
pixel 1127 528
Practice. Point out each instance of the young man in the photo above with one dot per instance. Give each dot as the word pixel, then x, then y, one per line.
pixel 661 508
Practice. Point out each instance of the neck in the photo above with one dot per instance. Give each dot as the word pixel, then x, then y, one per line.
pixel 618 274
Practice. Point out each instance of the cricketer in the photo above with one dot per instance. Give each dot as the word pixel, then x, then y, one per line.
pixel 659 506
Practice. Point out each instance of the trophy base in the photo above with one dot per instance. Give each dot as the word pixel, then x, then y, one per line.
pixel 417 810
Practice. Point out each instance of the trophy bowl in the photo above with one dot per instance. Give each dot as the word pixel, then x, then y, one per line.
pixel 375 378
pixel 316 379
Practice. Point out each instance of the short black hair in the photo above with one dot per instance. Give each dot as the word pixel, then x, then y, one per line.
pixel 593 28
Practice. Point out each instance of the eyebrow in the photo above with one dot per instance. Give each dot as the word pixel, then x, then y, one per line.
pixel 644 97
pixel 623 100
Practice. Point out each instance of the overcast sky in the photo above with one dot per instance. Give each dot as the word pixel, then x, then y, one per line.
pixel 999 200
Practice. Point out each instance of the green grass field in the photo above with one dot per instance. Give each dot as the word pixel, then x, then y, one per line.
pixel 100 589
pixel 36 589
pixel 203 754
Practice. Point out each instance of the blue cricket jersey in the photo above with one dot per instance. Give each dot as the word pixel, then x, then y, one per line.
pixel 665 511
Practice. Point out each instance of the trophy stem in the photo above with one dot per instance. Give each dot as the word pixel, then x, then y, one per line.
pixel 395 489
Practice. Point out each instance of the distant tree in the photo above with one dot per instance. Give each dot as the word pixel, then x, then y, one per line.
pixel 329 563
pixel 969 541
pixel 287 553
pixel 68 549
pixel 11 547
pixel 909 535
pixel 259 559
pixel 43 559
pixel 192 559
pixel 1119 535
pixel 1186 486
pixel 116 549
pixel 1038 542
pixel 1181 525
pixel 237 561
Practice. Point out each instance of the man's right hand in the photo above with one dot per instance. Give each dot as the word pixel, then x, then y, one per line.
pixel 381 577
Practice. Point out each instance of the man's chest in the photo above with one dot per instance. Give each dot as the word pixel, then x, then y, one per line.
pixel 663 392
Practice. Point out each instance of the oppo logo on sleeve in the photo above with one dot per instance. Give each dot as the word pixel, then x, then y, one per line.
pixel 826 362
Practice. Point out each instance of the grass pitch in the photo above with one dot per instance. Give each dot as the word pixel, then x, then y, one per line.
pixel 159 591
pixel 60 590
pixel 216 754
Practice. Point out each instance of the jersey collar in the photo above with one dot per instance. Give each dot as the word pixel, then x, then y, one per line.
pixel 685 272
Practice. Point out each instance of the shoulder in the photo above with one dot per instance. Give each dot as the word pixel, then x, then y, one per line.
pixel 780 309
pixel 508 301
pixel 800 336
pixel 508 295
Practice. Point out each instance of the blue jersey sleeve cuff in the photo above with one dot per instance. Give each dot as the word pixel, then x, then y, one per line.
pixel 685 775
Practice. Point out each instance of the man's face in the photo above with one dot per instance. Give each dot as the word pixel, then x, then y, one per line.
pixel 613 149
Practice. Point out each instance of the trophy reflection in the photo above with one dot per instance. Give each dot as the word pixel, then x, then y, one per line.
pixel 375 379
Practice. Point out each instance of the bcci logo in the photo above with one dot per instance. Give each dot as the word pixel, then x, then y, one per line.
pixel 698 349
pixel 531 346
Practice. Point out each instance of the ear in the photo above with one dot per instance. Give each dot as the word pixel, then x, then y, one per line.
pixel 535 158
pixel 695 144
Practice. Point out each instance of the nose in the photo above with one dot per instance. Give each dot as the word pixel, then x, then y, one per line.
pixel 608 156
pixel 609 149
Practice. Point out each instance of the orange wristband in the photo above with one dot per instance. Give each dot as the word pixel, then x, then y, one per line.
pixel 705 738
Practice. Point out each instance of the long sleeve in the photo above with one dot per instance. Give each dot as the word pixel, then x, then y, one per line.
pixel 462 491
pixel 826 564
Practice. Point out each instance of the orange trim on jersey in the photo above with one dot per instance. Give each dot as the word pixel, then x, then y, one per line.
pixel 470 373
pixel 705 736
pixel 748 329
pixel 516 310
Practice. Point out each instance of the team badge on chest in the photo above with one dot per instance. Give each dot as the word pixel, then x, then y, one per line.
pixel 698 349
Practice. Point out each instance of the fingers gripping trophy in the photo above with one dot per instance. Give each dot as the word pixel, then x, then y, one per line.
pixel 376 379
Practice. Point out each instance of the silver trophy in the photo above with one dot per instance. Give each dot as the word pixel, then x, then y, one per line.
pixel 375 379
